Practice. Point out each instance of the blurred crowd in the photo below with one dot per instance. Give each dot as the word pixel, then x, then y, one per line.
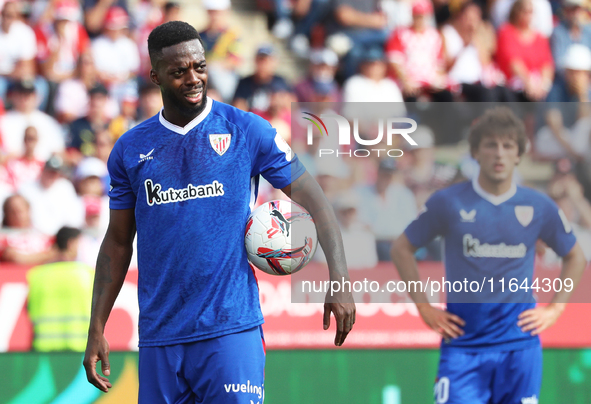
pixel 74 78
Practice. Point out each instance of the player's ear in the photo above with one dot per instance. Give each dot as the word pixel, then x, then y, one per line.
pixel 154 77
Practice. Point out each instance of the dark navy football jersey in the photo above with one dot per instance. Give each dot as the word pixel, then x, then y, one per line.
pixel 192 189
pixel 488 236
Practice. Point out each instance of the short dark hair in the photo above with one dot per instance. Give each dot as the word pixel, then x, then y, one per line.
pixel 169 34
pixel 498 121
pixel 64 235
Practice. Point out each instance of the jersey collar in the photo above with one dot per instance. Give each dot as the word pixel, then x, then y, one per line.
pixel 494 199
pixel 185 129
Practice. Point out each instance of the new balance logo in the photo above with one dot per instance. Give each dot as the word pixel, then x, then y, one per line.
pixel 468 216
pixel 529 400
pixel 144 157
pixel 155 194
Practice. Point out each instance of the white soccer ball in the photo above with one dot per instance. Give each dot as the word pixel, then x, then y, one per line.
pixel 280 237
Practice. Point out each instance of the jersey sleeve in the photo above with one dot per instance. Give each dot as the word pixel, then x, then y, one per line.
pixel 121 195
pixel 557 231
pixel 270 154
pixel 429 224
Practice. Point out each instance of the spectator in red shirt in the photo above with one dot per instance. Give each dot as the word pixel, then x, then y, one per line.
pixel 416 57
pixel 524 55
pixel 19 242
pixel 25 168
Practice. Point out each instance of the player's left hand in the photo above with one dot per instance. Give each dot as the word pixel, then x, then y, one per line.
pixel 344 313
pixel 539 318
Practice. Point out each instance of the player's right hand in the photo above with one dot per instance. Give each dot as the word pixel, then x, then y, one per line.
pixel 97 349
pixel 442 322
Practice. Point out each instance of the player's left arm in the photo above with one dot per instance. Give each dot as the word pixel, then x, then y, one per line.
pixel 538 319
pixel 306 191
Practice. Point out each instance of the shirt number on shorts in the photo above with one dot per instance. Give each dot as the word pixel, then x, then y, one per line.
pixel 441 390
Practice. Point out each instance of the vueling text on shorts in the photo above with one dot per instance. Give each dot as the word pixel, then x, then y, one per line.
pixel 434 286
pixel 245 388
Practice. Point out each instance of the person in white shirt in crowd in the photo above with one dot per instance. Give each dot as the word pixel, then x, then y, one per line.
pixel 542 19
pixel 18 47
pixel 378 202
pixel 91 177
pixel 358 240
pixel 116 56
pixel 27 167
pixel 25 114
pixel 53 199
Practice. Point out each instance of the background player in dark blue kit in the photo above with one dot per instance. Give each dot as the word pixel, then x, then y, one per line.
pixel 490 353
pixel 187 179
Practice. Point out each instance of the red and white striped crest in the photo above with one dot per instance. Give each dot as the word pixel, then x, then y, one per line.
pixel 220 142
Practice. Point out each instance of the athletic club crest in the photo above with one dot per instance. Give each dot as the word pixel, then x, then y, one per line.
pixel 220 142
pixel 524 214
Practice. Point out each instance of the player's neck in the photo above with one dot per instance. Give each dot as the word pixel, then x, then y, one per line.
pixel 176 117
pixel 494 187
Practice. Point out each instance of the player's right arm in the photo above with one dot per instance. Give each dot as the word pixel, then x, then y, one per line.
pixel 429 224
pixel 111 268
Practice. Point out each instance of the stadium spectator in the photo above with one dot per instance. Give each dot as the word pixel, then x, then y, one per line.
pixel 91 181
pixel 416 57
pixel 20 243
pixel 103 145
pixel 222 48
pixel 53 199
pixel 59 299
pixel 364 24
pixel 18 47
pixel 150 102
pixel 308 14
pixel 572 85
pixel 470 44
pixel 61 41
pixel 82 132
pixel 542 20
pixel 24 114
pixel 93 231
pixel 320 81
pixel 127 117
pixel 115 55
pixel 371 84
pixel 524 56
pixel 26 167
pixel 278 114
pixel 254 92
pixel 379 200
pixel 96 13
pixel 573 28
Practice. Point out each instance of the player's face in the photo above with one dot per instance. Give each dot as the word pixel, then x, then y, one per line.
pixel 182 76
pixel 497 157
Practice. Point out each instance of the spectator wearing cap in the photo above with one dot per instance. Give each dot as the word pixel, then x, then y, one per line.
pixel 573 84
pixel 358 241
pixel 150 102
pixel 127 117
pixel 416 56
pixel 20 243
pixel 364 24
pixel 91 178
pixel 254 92
pixel 96 13
pixel 573 28
pixel 387 206
pixel 82 132
pixel 25 113
pixel 524 56
pixel 115 55
pixel 372 83
pixel 53 199
pixel 18 47
pixel 222 48
pixel 61 41
pixel 26 167
pixel 320 83
pixel 279 112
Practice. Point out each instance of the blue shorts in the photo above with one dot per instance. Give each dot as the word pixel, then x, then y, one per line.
pixel 512 377
pixel 225 370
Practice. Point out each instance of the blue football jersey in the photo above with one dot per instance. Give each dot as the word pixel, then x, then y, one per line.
pixel 491 236
pixel 193 188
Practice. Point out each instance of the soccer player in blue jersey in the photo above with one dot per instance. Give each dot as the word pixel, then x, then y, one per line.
pixel 187 179
pixel 490 352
